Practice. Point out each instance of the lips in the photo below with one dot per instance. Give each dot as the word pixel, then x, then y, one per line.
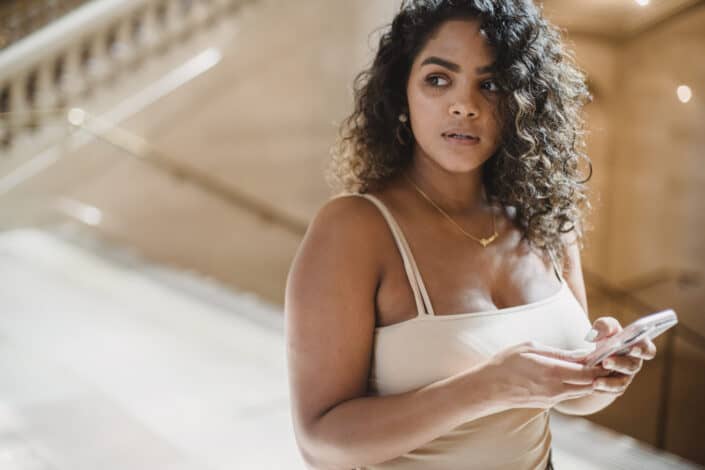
pixel 460 135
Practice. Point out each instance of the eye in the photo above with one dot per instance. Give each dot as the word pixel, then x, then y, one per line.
pixel 490 85
pixel 437 80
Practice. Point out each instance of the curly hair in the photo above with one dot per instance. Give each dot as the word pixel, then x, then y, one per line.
pixel 536 168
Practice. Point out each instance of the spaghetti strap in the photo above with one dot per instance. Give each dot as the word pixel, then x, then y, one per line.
pixel 421 297
pixel 556 267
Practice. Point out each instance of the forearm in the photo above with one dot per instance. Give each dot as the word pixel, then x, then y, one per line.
pixel 587 405
pixel 371 430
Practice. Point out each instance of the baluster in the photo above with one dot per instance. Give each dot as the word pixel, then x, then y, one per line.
pixel 215 11
pixel 98 66
pixel 175 24
pixel 137 40
pixel 31 100
pixel 160 23
pixel 18 106
pixel 46 98
pixel 198 14
pixel 124 49
pixel 45 95
pixel 73 83
pixel 5 130
pixel 150 37
pixel 185 10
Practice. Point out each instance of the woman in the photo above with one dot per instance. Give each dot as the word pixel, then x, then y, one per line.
pixel 462 194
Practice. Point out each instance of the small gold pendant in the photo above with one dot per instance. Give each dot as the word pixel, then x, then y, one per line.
pixel 487 241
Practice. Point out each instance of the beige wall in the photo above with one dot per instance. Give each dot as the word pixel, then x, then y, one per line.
pixel 598 59
pixel 658 156
pixel 648 151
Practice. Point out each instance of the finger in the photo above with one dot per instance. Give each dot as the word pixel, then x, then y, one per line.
pixel 602 328
pixel 580 355
pixel 617 384
pixel 644 349
pixel 623 364
pixel 569 355
pixel 584 375
pixel 571 391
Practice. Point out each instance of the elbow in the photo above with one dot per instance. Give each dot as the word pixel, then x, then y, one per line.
pixel 322 454
pixel 312 461
pixel 318 461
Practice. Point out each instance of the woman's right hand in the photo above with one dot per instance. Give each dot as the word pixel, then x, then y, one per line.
pixel 533 375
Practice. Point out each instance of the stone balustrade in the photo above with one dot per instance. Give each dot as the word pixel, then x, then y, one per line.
pixel 20 18
pixel 95 43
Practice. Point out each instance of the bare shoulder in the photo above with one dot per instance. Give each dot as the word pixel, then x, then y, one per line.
pixel 349 225
pixel 341 249
pixel 352 211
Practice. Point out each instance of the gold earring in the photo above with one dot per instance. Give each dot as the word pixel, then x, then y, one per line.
pixel 402 129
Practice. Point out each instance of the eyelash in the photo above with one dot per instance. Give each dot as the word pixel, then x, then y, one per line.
pixel 430 78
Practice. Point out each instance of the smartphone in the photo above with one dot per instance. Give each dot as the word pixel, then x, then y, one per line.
pixel 649 327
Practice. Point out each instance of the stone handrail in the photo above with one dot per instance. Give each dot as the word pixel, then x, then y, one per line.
pixel 74 55
pixel 20 18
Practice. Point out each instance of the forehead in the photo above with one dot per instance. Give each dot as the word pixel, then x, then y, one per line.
pixel 461 40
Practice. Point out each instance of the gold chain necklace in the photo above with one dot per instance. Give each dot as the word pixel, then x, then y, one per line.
pixel 482 241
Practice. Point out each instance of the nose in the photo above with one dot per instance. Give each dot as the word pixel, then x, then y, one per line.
pixel 465 103
pixel 463 109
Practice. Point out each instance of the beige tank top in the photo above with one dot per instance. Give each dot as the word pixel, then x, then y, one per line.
pixel 430 347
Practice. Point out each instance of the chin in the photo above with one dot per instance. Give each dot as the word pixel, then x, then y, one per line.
pixel 457 160
pixel 459 163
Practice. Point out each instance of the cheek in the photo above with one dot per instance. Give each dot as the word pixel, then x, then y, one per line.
pixel 494 125
pixel 426 115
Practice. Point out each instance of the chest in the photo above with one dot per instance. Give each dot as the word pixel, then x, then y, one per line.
pixel 417 352
pixel 462 278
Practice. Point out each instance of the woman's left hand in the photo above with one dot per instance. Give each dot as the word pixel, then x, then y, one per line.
pixel 623 367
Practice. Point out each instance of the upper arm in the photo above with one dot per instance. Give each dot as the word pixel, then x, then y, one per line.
pixel 330 309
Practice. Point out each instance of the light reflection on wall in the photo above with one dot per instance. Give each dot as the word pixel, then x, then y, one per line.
pixel 684 93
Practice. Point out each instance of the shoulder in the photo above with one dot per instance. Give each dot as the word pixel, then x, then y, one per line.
pixel 347 205
pixel 345 239
pixel 347 218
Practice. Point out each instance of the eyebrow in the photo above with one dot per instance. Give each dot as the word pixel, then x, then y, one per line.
pixel 455 67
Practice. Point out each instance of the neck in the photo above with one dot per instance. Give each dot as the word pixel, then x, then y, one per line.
pixel 457 193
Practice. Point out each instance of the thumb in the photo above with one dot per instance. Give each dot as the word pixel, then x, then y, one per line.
pixel 602 328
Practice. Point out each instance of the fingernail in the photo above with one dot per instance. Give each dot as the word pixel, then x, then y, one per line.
pixel 637 351
pixel 592 334
pixel 608 362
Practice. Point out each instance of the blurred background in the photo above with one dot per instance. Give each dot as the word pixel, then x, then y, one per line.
pixel 159 163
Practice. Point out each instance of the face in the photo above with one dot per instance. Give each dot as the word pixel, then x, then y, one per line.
pixel 453 99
